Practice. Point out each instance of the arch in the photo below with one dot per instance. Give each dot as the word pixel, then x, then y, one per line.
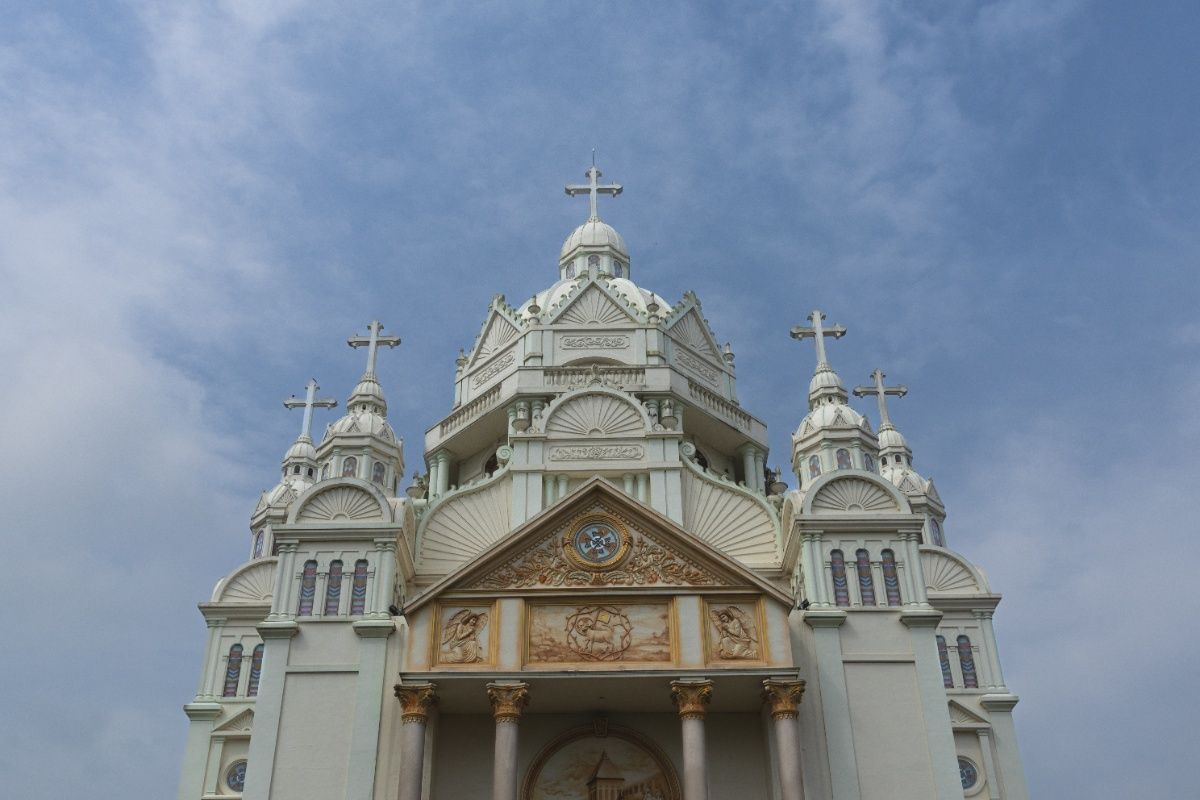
pixel 349 467
pixel 966 662
pixel 233 671
pixel 891 579
pixel 308 589
pixel 948 573
pixel 358 588
pixel 843 458
pixel 255 671
pixel 595 413
pixel 944 660
pixel 333 589
pixel 837 570
pixel 250 584
pixel 866 581
pixel 346 500
pixel 853 491
pixel 574 745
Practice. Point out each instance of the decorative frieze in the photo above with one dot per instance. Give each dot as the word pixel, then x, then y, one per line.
pixel 689 361
pixel 614 452
pixel 599 342
pixel 493 369
pixel 616 377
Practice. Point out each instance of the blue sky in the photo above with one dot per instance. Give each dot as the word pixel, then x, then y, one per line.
pixel 200 202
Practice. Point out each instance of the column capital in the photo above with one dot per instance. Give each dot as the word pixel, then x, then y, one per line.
pixel 508 700
pixel 783 697
pixel 691 698
pixel 415 700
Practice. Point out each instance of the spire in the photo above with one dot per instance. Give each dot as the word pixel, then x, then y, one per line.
pixel 368 392
pixel 594 248
pixel 825 382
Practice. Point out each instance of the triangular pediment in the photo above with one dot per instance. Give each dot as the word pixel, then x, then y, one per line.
pixel 498 333
pixel 960 715
pixel 241 723
pixel 692 331
pixel 594 306
pixel 639 550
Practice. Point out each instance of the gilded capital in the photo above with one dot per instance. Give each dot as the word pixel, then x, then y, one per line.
pixel 508 700
pixel 415 700
pixel 691 698
pixel 783 697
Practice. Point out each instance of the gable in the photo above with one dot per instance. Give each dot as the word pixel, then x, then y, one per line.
pixel 960 716
pixel 241 723
pixel 498 333
pixel 593 306
pixel 690 330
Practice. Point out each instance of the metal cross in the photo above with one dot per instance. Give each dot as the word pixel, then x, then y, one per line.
pixel 372 343
pixel 593 188
pixel 880 391
pixel 818 332
pixel 309 402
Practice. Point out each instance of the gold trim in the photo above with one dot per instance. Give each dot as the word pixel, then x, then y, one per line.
pixel 508 700
pixel 783 697
pixel 691 698
pixel 415 700
pixel 661 759
pixel 572 555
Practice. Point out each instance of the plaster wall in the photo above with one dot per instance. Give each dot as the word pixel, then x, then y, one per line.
pixel 314 736
pixel 885 710
pixel 324 644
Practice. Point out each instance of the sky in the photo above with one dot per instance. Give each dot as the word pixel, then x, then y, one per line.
pixel 199 202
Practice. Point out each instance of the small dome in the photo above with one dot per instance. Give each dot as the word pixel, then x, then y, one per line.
pixel 301 450
pixel 891 439
pixel 638 297
pixel 594 233
pixel 825 378
pixel 368 391
pixel 364 423
pixel 903 477
pixel 829 415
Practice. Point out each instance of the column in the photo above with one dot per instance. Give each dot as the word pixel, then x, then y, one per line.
pixel 692 698
pixel 443 464
pixel 747 454
pixel 643 487
pixel 562 487
pixel 212 660
pixel 993 655
pixel 260 766
pixel 989 764
pixel 759 471
pixel 783 700
pixel 416 699
pixel 368 706
pixel 629 483
pixel 508 700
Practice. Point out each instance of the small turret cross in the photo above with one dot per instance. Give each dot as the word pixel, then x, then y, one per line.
pixel 309 402
pixel 372 343
pixel 880 391
pixel 593 189
pixel 818 332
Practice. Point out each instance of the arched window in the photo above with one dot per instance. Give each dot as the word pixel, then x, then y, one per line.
pixel 891 581
pixel 349 467
pixel 233 671
pixel 309 472
pixel 814 466
pixel 255 671
pixel 296 469
pixel 618 269
pixel 868 462
pixel 333 589
pixel 843 458
pixel 935 528
pixel 358 590
pixel 258 544
pixel 866 581
pixel 837 567
pixel 571 270
pixel 378 471
pixel 966 660
pixel 325 471
pixel 308 589
pixel 593 261
pixel 944 659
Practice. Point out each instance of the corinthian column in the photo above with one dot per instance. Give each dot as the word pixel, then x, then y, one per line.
pixel 508 700
pixel 691 698
pixel 415 701
pixel 783 701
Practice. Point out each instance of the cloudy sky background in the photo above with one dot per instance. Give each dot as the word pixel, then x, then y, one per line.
pixel 200 202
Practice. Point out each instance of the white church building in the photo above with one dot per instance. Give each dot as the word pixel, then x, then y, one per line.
pixel 596 589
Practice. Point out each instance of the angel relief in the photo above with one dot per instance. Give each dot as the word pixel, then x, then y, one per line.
pixel 462 637
pixel 736 635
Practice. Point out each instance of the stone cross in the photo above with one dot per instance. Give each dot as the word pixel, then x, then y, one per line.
pixel 594 189
pixel 309 402
pixel 880 391
pixel 372 344
pixel 818 332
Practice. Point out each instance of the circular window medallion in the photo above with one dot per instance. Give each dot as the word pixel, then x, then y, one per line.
pixel 968 773
pixel 235 779
pixel 596 542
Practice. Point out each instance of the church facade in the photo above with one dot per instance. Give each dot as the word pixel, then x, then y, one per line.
pixel 597 589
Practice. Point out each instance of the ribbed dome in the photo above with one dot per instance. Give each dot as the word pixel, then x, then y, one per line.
pixel 904 478
pixel 594 233
pixel 825 379
pixel 362 422
pixel 891 439
pixel 302 450
pixel 829 415
pixel 638 297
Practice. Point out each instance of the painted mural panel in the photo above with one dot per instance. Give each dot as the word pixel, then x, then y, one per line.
pixel 609 766
pixel 601 633
pixel 464 634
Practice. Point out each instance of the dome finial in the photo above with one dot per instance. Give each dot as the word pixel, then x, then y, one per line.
pixel 309 402
pixel 818 332
pixel 593 188
pixel 880 391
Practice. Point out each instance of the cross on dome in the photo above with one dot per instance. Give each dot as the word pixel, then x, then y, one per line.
pixel 818 332
pixel 372 343
pixel 880 391
pixel 309 402
pixel 593 188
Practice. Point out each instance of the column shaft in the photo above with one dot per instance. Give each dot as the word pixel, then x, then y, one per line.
pixel 416 699
pixel 783 700
pixel 692 698
pixel 508 701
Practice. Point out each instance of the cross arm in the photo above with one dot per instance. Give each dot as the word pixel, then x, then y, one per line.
pixel 365 341
pixel 864 391
pixel 299 402
pixel 802 332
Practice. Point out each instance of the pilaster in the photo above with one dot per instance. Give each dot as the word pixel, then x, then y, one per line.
pixel 922 625
pixel 260 763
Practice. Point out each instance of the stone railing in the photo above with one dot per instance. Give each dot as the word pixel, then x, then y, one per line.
pixel 617 377
pixel 719 405
pixel 471 410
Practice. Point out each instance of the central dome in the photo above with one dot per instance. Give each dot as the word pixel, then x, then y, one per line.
pixel 594 233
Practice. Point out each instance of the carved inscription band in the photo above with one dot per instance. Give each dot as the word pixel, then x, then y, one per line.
pixel 594 342
pixel 596 453
pixel 493 369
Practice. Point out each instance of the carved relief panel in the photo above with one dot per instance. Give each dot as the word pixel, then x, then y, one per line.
pixel 735 630
pixel 464 635
pixel 599 634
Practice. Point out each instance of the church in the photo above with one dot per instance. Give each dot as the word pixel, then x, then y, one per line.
pixel 596 589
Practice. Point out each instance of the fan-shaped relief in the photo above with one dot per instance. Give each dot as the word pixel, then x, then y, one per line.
pixel 595 415
pixel 690 330
pixel 253 583
pixel 498 334
pixel 729 520
pixel 593 307
pixel 341 504
pixel 459 527
pixel 945 574
pixel 853 496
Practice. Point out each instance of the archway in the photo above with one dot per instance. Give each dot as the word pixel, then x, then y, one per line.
pixel 601 762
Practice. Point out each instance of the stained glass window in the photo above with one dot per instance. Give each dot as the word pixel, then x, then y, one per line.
pixel 843 458
pixel 814 466
pixel 358 590
pixel 235 778
pixel 377 472
pixel 866 581
pixel 325 471
pixel 333 589
pixel 968 773
pixel 258 544
pixel 308 589
pixel 837 567
pixel 255 671
pixel 891 581
pixel 966 660
pixel 571 270
pixel 935 528
pixel 349 467
pixel 944 658
pixel 233 671
pixel 868 462
pixel 593 261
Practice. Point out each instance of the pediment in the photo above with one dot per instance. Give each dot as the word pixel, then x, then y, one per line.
pixel 594 306
pixel 692 331
pixel 960 715
pixel 648 553
pixel 853 492
pixel 498 333
pixel 240 723
pixel 343 500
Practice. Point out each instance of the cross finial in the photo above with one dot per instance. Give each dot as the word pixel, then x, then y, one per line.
pixel 880 391
pixel 372 343
pixel 818 332
pixel 309 402
pixel 593 188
